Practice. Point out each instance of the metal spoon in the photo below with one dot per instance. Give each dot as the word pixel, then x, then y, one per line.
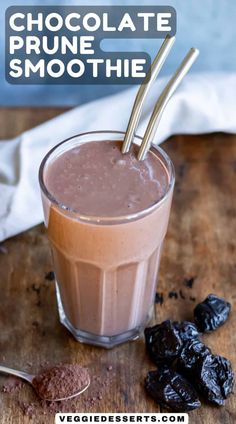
pixel 30 377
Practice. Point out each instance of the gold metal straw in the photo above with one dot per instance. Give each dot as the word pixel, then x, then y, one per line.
pixel 163 99
pixel 144 89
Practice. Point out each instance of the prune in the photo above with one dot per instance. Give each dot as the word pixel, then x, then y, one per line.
pixel 163 342
pixel 214 378
pixel 187 330
pixel 171 390
pixel 192 352
pixel 211 313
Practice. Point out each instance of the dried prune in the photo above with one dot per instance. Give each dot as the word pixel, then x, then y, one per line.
pixel 192 352
pixel 171 390
pixel 187 330
pixel 214 378
pixel 211 313
pixel 177 343
pixel 163 342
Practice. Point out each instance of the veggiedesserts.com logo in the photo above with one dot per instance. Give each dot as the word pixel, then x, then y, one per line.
pixel 67 44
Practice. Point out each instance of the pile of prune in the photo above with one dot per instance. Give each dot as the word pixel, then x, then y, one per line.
pixel 176 348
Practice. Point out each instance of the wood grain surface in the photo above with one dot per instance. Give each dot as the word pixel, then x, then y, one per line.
pixel 200 243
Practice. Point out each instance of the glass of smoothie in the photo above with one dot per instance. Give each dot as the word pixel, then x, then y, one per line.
pixel 106 215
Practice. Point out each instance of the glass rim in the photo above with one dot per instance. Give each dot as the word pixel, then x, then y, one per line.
pixel 106 219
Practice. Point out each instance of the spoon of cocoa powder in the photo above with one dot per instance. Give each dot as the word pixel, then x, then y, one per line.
pixel 57 383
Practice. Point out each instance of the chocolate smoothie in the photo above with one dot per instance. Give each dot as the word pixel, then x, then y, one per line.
pixel 107 215
pixel 96 179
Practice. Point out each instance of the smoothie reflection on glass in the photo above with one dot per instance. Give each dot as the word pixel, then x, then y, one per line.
pixel 106 215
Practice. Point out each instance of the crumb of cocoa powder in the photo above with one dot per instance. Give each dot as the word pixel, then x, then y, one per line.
pixel 36 288
pixel 173 295
pixel 159 298
pixel 189 282
pixel 12 385
pixel 27 409
pixel 50 276
pixel 193 299
pixel 44 365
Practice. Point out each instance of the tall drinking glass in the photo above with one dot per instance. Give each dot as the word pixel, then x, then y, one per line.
pixel 105 267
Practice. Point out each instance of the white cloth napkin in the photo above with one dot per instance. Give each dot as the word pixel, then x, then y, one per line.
pixel 203 103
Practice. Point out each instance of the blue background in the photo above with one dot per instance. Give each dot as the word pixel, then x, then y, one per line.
pixel 209 25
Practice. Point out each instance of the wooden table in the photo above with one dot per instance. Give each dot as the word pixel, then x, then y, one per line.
pixel 200 243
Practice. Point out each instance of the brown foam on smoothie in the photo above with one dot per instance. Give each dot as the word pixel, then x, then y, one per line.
pixel 96 179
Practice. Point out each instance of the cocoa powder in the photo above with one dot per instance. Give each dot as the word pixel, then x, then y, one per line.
pixel 97 391
pixel 12 385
